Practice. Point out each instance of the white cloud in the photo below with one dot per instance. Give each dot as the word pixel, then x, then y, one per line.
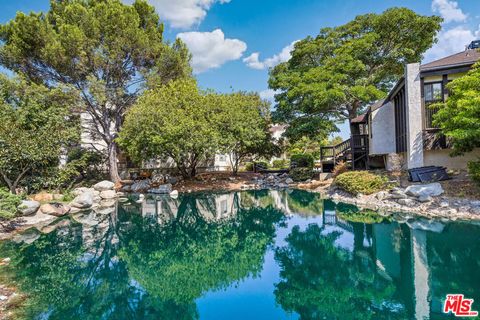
pixel 253 60
pixel 449 10
pixel 450 41
pixel 268 94
pixel 211 49
pixel 184 13
pixel 477 33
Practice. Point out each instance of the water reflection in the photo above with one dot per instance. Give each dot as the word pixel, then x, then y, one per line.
pixel 161 258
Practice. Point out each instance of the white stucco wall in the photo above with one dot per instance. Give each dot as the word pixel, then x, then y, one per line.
pixel 414 116
pixel 442 158
pixel 382 126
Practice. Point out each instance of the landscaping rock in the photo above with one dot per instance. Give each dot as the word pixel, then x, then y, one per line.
pixel 431 189
pixel 81 190
pixel 174 194
pixel 163 189
pixel 104 185
pixel 126 188
pixel 44 196
pixel 158 179
pixel 108 194
pixel 289 181
pixel 425 199
pixel 171 180
pixel 382 195
pixel 141 186
pixel 107 203
pixel 397 194
pixel 28 207
pixel 406 202
pixel 55 209
pixel 82 201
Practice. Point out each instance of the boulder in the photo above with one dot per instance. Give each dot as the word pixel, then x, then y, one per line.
pixel 158 179
pixel 424 199
pixel 174 194
pixel 163 189
pixel 382 195
pixel 107 203
pixel 406 202
pixel 289 181
pixel 28 207
pixel 55 209
pixel 140 186
pixel 431 189
pixel 104 185
pixel 81 190
pixel 108 194
pixel 126 188
pixel 44 196
pixel 82 201
pixel 397 194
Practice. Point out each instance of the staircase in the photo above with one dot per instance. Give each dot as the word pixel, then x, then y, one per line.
pixel 353 151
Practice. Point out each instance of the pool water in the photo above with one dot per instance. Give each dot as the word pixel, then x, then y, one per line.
pixel 248 255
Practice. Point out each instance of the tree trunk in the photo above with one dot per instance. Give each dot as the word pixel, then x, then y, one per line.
pixel 112 162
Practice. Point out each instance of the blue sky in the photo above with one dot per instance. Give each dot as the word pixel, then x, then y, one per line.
pixel 223 34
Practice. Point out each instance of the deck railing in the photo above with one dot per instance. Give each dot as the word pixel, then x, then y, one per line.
pixel 357 142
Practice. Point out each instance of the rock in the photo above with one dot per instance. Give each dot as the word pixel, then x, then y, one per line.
pixel 81 190
pixel 444 203
pixel 158 179
pixel 289 181
pixel 406 202
pixel 172 180
pixel 141 186
pixel 475 203
pixel 82 201
pixel 424 199
pixel 271 178
pixel 107 203
pixel 397 194
pixel 108 194
pixel 174 194
pixel 55 209
pixel 452 211
pixel 427 225
pixel 126 188
pixel 382 195
pixel 282 185
pixel 28 207
pixel 44 196
pixel 163 189
pixel 431 189
pixel 104 185
pixel 28 237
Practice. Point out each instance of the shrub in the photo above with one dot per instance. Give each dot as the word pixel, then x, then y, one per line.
pixel 474 171
pixel 302 160
pixel 249 166
pixel 280 164
pixel 262 164
pixel 8 204
pixel 356 182
pixel 339 168
pixel 301 174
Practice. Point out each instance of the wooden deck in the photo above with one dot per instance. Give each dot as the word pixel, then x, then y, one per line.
pixel 353 151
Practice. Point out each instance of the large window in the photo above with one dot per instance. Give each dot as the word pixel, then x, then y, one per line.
pixel 432 92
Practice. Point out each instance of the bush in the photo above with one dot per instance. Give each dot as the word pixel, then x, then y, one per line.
pixel 262 164
pixel 301 174
pixel 474 171
pixel 365 182
pixel 249 166
pixel 339 168
pixel 8 204
pixel 302 160
pixel 280 164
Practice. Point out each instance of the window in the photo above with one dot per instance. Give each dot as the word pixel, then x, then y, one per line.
pixel 433 92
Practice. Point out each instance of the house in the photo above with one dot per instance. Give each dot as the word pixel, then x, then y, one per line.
pixel 398 132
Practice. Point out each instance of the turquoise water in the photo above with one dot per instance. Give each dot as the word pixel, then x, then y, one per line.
pixel 250 255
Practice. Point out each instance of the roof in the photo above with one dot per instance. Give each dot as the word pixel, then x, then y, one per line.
pixel 464 58
pixel 360 119
pixel 377 105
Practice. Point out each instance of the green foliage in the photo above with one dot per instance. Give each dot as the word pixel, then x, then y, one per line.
pixel 301 174
pixel 35 124
pixel 249 166
pixel 8 204
pixel 280 164
pixel 103 51
pixel 336 74
pixel 81 164
pixel 175 120
pixel 302 160
pixel 459 117
pixel 364 182
pixel 474 171
pixel 243 121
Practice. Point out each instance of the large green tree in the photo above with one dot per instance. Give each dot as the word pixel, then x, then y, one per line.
pixel 335 75
pixel 35 124
pixel 102 50
pixel 243 122
pixel 174 121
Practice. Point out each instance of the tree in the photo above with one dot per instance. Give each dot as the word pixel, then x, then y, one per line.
pixel 175 120
pixel 333 76
pixel 243 122
pixel 35 124
pixel 102 50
